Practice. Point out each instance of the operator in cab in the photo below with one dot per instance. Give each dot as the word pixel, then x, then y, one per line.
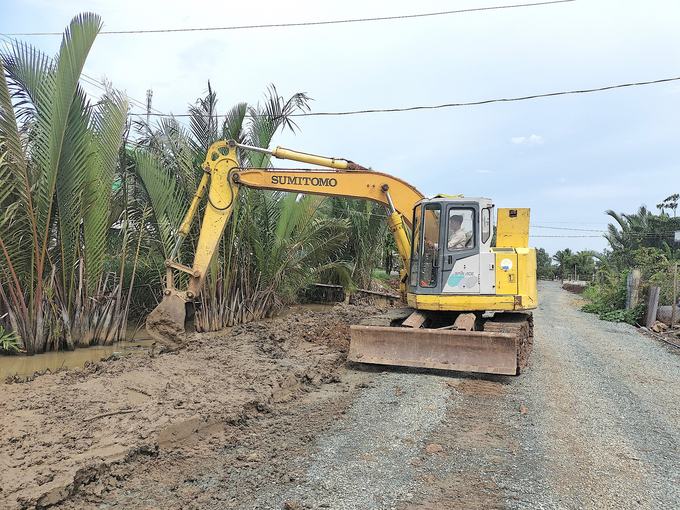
pixel 457 236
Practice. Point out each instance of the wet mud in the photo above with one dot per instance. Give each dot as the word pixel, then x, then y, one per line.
pixel 104 432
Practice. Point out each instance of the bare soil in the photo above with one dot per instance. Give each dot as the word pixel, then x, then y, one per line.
pixel 145 427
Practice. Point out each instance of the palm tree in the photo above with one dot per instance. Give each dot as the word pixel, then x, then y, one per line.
pixel 638 230
pixel 280 245
pixel 562 257
pixel 61 152
pixel 368 227
pixel 274 244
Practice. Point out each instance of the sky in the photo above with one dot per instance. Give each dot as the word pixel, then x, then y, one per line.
pixel 568 158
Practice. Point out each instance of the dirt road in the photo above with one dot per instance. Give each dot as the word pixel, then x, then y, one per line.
pixel 265 418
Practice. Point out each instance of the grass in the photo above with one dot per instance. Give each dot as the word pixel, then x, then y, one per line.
pixel 380 274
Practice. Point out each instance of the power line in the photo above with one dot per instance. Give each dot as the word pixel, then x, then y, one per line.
pixel 565 228
pixel 311 23
pixel 488 101
pixel 578 222
pixel 627 235
pixel 100 85
pixel 451 105
pixel 95 83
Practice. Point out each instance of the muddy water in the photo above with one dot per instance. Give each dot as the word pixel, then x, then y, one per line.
pixel 28 365
pixel 141 343
pixel 314 307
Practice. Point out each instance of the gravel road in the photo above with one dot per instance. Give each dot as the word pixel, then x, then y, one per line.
pixel 605 424
pixel 594 422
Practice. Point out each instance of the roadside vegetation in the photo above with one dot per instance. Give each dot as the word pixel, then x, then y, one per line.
pixel 91 200
pixel 642 241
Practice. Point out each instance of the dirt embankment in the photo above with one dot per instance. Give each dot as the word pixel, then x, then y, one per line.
pixel 74 438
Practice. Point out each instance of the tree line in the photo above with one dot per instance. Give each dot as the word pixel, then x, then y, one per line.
pixel 642 240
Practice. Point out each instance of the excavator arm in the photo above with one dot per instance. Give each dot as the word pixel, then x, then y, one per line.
pixel 222 180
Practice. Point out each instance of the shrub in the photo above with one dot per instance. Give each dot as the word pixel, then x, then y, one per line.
pixel 631 316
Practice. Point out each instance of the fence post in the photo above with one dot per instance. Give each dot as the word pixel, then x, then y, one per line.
pixel 674 304
pixel 652 306
pixel 633 284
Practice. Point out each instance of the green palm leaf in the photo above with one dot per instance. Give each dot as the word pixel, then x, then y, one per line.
pixel 160 187
pixel 108 125
pixel 74 159
pixel 60 88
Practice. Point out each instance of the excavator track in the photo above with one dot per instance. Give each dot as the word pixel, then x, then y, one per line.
pixel 519 324
pixel 498 345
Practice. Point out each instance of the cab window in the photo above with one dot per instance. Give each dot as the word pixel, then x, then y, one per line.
pixel 429 270
pixel 461 229
pixel 486 224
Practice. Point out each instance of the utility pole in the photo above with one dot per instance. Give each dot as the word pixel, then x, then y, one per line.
pixel 149 95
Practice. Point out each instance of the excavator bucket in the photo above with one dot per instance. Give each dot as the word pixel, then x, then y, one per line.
pixel 165 323
pixel 467 351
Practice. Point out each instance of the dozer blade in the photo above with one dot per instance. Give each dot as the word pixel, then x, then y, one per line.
pixel 467 351
pixel 165 323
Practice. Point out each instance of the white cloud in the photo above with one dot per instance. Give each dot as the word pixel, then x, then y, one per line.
pixel 531 140
pixel 483 171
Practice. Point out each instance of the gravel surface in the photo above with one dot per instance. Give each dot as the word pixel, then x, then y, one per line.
pixel 605 424
pixel 365 460
pixel 594 422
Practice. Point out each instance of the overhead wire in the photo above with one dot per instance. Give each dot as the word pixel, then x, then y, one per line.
pixel 452 105
pixel 565 228
pixel 100 85
pixel 489 101
pixel 310 23
pixel 629 235
pixel 158 113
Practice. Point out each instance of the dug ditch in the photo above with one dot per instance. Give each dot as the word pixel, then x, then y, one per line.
pixel 271 416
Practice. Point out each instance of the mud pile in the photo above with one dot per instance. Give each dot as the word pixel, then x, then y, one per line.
pixel 72 430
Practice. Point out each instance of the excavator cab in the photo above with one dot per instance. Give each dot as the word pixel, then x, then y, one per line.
pixel 451 237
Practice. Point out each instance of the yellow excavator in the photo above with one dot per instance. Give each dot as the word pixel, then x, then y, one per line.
pixel 467 301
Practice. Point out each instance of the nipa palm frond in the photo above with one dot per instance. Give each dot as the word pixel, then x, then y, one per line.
pixel 168 209
pixel 108 125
